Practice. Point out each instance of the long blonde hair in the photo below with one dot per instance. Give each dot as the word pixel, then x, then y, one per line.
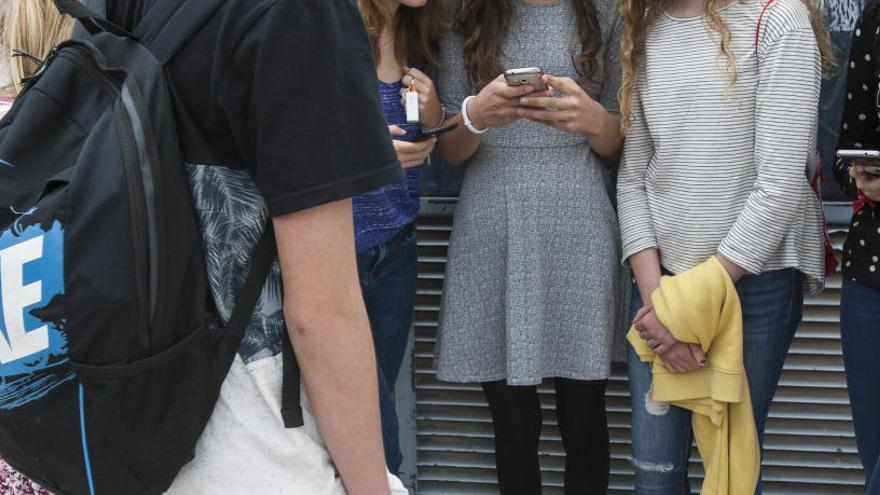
pixel 34 27
pixel 640 15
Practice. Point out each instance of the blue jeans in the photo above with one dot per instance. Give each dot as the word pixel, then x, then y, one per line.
pixel 860 336
pixel 772 306
pixel 388 280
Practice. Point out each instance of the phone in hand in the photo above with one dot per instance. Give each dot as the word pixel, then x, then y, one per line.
pixel 528 76
pixel 871 157
pixel 424 136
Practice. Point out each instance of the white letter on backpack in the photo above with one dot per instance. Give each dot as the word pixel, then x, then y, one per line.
pixel 20 343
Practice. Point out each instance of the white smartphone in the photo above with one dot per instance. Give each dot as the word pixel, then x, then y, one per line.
pixel 865 156
pixel 530 76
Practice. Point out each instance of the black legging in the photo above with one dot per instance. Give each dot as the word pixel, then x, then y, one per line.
pixel 583 423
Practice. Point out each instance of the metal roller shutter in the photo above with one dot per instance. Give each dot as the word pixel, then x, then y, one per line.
pixel 809 446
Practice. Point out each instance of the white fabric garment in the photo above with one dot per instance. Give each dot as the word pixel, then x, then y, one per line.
pixel 246 445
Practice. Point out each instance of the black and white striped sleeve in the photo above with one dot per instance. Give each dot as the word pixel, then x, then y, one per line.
pixel 636 229
pixel 785 119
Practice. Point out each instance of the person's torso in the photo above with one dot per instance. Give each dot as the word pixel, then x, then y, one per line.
pixel 547 36
pixel 861 253
pixel 379 215
pixel 232 214
pixel 703 131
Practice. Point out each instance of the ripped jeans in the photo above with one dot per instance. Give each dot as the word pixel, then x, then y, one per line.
pixel 772 305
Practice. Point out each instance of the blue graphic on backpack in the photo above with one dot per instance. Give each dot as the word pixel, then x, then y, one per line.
pixel 31 349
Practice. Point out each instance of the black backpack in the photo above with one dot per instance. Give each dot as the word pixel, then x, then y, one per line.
pixel 111 351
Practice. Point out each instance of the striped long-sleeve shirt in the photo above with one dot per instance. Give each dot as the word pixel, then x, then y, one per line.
pixel 709 168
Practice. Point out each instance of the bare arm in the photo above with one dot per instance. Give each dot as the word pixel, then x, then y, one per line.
pixel 328 325
pixel 460 144
pixel 646 268
pixel 494 106
pixel 606 139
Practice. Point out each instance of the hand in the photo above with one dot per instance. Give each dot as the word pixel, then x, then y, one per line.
pixel 683 358
pixel 496 105
pixel 573 111
pixel 430 110
pixel 657 336
pixel 410 154
pixel 678 357
pixel 868 184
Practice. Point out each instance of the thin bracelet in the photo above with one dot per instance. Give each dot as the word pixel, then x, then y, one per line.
pixel 442 119
pixel 467 120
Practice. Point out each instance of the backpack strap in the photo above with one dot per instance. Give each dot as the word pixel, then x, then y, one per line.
pixel 167 26
pixel 263 257
pixel 291 406
pixel 91 21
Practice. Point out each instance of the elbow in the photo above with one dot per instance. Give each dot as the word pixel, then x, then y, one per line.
pixel 301 325
pixel 451 156
pixel 306 322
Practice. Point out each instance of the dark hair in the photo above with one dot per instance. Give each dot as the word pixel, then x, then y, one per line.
pixel 417 30
pixel 484 25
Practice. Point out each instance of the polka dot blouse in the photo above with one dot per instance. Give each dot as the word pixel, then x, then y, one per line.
pixel 861 130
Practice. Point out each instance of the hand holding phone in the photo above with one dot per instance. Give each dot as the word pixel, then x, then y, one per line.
pixel 569 109
pixel 496 104
pixel 410 153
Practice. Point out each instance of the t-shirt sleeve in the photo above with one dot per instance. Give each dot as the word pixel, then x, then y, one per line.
pixel 633 209
pixel 313 130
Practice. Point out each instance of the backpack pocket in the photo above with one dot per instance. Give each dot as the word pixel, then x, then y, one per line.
pixel 152 411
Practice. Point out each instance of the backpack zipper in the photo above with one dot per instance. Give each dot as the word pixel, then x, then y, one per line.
pixel 148 154
pixel 139 203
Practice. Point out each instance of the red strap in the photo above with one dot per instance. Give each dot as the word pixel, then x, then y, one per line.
pixel 760 18
pixel 816 184
pixel 862 202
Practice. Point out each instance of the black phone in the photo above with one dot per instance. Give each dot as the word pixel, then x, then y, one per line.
pixel 424 136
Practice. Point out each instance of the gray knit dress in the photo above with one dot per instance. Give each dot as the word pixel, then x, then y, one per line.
pixel 534 286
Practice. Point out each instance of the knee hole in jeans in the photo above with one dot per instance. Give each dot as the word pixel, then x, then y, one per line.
pixel 653 467
pixel 655 408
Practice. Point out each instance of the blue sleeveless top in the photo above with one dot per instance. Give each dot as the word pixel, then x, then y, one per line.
pixel 379 215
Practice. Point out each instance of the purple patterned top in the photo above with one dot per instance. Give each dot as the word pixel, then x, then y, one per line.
pixel 379 215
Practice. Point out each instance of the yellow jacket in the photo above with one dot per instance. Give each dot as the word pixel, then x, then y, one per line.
pixel 702 307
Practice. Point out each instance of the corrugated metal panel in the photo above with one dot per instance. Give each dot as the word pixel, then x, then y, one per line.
pixel 809 446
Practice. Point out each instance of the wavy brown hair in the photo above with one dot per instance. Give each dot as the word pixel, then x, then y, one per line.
pixel 483 25
pixel 416 31
pixel 640 15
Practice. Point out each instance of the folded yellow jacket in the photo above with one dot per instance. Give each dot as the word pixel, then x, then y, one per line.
pixel 702 307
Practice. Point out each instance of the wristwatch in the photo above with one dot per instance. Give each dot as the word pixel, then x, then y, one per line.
pixel 467 120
